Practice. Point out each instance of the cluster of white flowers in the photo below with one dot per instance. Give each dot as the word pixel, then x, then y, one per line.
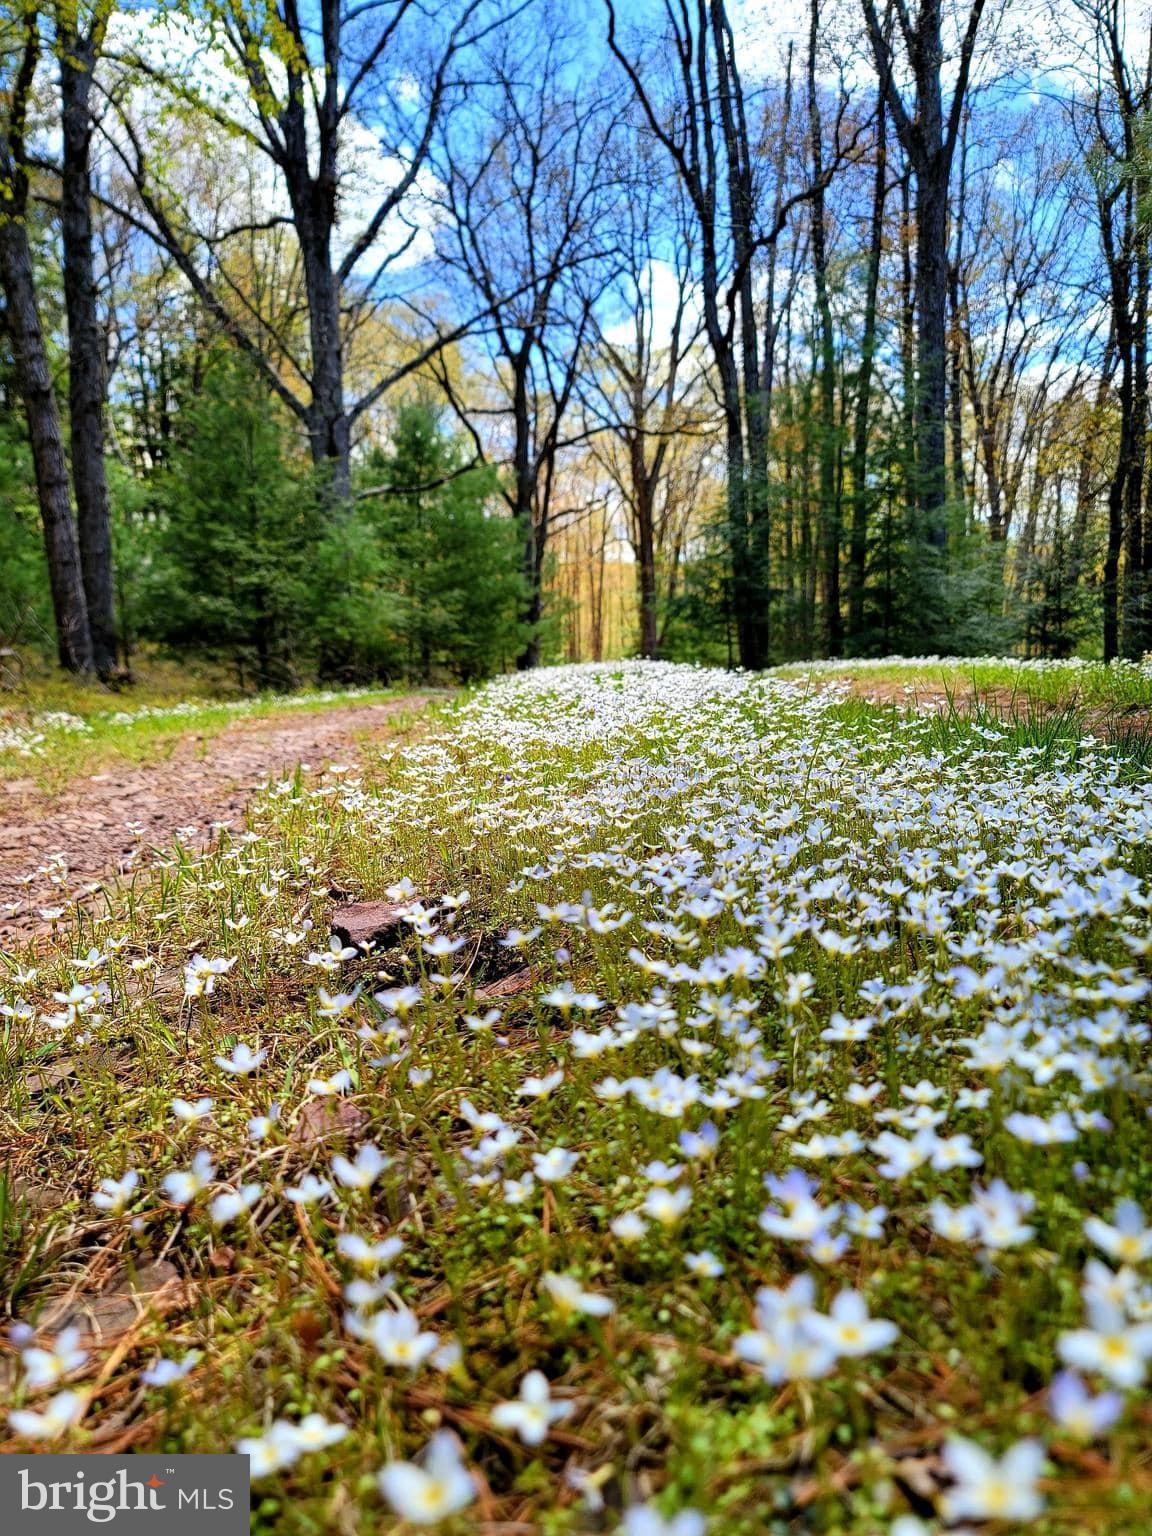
pixel 21 740
pixel 33 738
pixel 753 933
pixel 186 707
pixel 1035 665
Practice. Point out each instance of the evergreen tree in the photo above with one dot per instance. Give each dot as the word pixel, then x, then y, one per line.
pixel 238 536
pixel 454 564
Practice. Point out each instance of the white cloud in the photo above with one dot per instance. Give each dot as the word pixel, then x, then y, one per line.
pixel 226 184
pixel 660 287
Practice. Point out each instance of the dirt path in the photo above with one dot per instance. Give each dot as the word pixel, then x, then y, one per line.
pixel 91 822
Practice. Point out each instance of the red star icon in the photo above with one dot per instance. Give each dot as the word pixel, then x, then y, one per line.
pixel 155 1482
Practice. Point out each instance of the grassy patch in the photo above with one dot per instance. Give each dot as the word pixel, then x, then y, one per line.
pixel 53 729
pixel 1120 685
pixel 792 1153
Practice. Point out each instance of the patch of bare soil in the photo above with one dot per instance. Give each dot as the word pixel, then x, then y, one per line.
pixel 103 825
pixel 928 697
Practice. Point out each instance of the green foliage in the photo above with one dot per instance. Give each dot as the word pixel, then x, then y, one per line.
pixel 453 565
pixel 559 616
pixel 356 616
pixel 229 554
pixel 138 529
pixel 918 599
pixel 25 603
pixel 699 618
pixel 930 601
pixel 235 552
pixel 1060 611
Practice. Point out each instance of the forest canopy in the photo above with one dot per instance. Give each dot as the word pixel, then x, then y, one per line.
pixel 353 342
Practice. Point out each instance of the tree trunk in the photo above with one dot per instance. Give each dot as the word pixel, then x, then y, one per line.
pixel 752 589
pixel 1136 627
pixel 830 520
pixel 313 196
pixel 858 544
pixel 745 589
pixel 51 466
pixel 907 334
pixel 329 430
pixel 955 337
pixel 86 381
pixel 931 348
pixel 523 506
pixel 1116 493
pixel 1117 254
pixel 807 583
pixel 643 496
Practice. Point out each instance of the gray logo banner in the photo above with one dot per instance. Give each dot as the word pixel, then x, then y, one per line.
pixel 60 1495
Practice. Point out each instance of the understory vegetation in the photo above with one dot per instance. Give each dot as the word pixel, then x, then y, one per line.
pixel 744 1120
pixel 228 561
pixel 1072 683
pixel 699 332
pixel 86 729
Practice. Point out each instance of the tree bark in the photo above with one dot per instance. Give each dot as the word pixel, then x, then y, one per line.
pixel 329 428
pixel 1117 489
pixel 931 351
pixel 313 196
pixel 861 498
pixel 830 516
pixel 34 377
pixel 907 289
pixel 523 503
pixel 955 338
pixel 86 371
pixel 643 492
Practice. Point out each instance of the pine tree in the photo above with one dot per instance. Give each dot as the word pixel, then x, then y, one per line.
pixel 239 530
pixel 454 563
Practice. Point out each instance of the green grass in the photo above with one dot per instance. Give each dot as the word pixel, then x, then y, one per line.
pixel 1084 684
pixel 1063 731
pixel 665 817
pixel 53 729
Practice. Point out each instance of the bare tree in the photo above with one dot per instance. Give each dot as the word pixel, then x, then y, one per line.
pixel 1023 323
pixel 645 389
pixel 313 82
pixel 702 124
pixel 928 130
pixel 526 236
pixel 19 54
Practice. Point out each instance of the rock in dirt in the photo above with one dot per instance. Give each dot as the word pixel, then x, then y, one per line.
pixel 326 1119
pixel 365 923
pixel 106 1315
